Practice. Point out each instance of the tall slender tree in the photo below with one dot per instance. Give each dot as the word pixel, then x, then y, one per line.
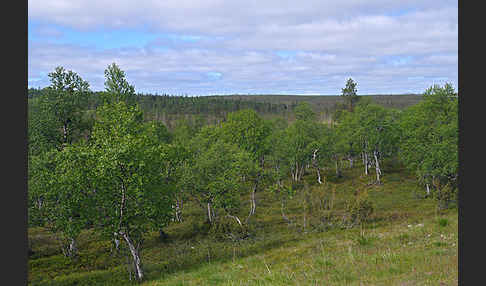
pixel 117 86
pixel 349 93
pixel 131 195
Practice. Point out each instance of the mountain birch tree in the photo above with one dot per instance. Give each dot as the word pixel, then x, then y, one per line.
pixel 117 86
pixel 218 174
pixel 248 131
pixel 429 141
pixel 63 184
pixel 56 120
pixel 297 141
pixel 375 130
pixel 131 196
pixel 57 117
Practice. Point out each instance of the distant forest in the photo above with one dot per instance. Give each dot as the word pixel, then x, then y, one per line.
pixel 209 110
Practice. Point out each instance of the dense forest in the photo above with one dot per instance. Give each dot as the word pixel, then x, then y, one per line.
pixel 208 110
pixel 122 165
pixel 168 109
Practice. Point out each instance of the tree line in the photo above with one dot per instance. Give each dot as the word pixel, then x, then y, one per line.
pixel 107 168
pixel 171 108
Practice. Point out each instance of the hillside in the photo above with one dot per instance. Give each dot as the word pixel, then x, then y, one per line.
pixel 406 242
pixel 269 195
pixel 323 102
pixel 213 109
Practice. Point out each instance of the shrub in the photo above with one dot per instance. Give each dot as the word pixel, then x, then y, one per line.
pixel 359 209
pixel 225 228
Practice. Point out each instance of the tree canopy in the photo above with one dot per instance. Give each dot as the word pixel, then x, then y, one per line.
pixel 429 143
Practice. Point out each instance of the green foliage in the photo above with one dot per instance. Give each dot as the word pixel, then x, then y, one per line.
pixel 117 86
pixel 131 196
pixel 40 171
pixel 371 130
pixel 56 117
pixel 218 172
pixel 428 146
pixel 69 81
pixel 443 222
pixel 247 130
pixel 61 191
pixel 304 112
pixel 184 131
pixel 161 132
pixel 297 144
pixel 43 128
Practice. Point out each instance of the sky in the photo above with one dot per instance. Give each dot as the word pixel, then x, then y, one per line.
pixel 184 47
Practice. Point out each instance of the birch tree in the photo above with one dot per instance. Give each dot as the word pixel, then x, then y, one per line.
pixel 218 175
pixel 62 184
pixel 375 130
pixel 429 143
pixel 248 131
pixel 57 118
pixel 297 139
pixel 131 196
pixel 117 86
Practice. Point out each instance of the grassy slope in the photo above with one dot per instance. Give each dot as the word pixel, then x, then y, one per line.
pixel 403 244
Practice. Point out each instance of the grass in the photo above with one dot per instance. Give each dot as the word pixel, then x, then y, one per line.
pixel 405 242
pixel 443 222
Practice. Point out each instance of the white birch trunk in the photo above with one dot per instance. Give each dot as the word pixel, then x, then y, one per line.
pixel 72 248
pixel 178 210
pixel 377 165
pixel 235 218
pixel 117 241
pixel 209 213
pixel 296 171
pixel 366 163
pixel 314 162
pixel 135 257
pixel 253 202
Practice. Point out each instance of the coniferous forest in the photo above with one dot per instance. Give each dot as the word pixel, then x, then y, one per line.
pixel 127 188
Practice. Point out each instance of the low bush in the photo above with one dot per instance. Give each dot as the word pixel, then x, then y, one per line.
pixel 359 209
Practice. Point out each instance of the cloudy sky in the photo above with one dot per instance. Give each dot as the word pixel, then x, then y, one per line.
pixel 248 47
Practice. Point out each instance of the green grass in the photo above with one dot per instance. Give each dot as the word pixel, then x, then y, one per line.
pixel 405 242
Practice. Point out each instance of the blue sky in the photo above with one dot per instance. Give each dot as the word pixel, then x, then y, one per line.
pixel 248 47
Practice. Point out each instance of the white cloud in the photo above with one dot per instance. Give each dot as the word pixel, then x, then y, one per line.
pixel 326 41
